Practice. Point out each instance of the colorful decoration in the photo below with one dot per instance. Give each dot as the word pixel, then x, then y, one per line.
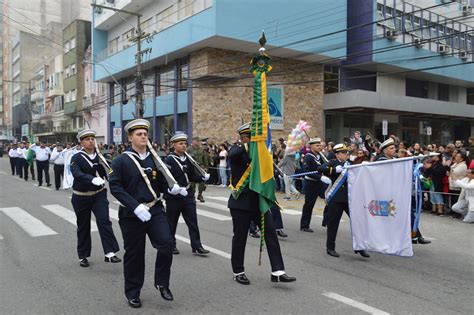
pixel 298 137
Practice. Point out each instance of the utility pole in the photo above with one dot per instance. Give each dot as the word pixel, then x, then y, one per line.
pixel 138 37
pixel 30 117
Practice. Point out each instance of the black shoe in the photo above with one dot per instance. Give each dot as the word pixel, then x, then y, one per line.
pixel 201 199
pixel 281 233
pixel 84 262
pixel 48 184
pixel 39 185
pixel 165 292
pixel 414 240
pixel 26 179
pixel 254 235
pixel 135 303
pixel 200 251
pixel 363 253
pixel 113 259
pixel 332 252
pixel 283 278
pixel 175 251
pixel 423 241
pixel 242 279
pixel 307 230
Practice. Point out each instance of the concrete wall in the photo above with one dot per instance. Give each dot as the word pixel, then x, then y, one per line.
pixel 395 85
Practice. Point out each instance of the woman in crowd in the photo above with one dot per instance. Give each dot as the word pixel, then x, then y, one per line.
pixel 457 171
pixel 223 164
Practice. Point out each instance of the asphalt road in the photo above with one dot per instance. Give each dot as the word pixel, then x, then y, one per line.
pixel 40 273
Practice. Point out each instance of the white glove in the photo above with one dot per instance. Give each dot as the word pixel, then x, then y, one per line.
pixel 183 191
pixel 98 181
pixel 142 212
pixel 175 190
pixel 326 180
pixel 338 168
pixel 206 177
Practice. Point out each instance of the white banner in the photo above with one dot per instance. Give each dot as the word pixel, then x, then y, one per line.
pixel 380 206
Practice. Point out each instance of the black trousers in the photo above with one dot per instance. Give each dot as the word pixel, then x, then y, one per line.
pixel 334 214
pixel 58 175
pixel 241 223
pixel 134 234
pixel 13 165
pixel 277 219
pixel 32 170
pixel 83 207
pixel 187 207
pixel 43 166
pixel 20 165
pixel 312 191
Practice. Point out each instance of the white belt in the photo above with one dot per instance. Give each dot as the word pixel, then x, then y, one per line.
pixel 87 193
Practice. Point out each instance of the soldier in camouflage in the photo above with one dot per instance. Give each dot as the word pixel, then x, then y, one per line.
pixel 201 156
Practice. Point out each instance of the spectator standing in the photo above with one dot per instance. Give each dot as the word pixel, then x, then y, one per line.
pixel 223 165
pixel 457 171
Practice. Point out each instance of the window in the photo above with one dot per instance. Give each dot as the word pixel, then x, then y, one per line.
pixel 126 37
pixel 67 47
pixel 148 87
pixel 67 72
pixel 67 97
pixel 58 103
pixel 73 69
pixel 113 45
pixel 73 95
pixel 183 77
pixel 167 82
pixel 72 43
pixel 185 9
pixel 145 26
pixel 166 18
pixel 331 76
pixel 416 88
pixel 130 90
pixel 443 92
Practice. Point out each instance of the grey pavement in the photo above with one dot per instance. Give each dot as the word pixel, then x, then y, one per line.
pixel 40 273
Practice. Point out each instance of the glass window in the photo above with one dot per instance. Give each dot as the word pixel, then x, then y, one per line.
pixel 166 18
pixel 148 87
pixel 331 79
pixel 73 95
pixel 183 77
pixel 167 82
pixel 117 97
pixel 113 45
pixel 145 25
pixel 130 90
pixel 126 38
pixel 73 69
pixel 72 43
pixel 185 8
pixel 443 92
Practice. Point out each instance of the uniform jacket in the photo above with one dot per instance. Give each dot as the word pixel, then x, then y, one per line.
pixel 311 162
pixel 127 185
pixel 239 160
pixel 178 169
pixel 329 169
pixel 83 172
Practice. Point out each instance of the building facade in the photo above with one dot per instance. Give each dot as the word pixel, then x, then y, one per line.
pixel 342 65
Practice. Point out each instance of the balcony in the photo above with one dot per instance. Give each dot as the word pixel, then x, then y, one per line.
pixel 37 96
pixel 55 91
pixel 108 19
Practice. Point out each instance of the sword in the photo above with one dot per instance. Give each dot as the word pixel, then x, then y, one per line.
pixel 102 158
pixel 196 165
pixel 162 166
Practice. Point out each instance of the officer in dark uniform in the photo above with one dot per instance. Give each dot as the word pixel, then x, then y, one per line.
pixel 336 197
pixel 137 183
pixel 314 187
pixel 202 158
pixel 244 209
pixel 184 203
pixel 90 195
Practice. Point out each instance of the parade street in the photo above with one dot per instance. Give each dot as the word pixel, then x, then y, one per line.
pixel 40 272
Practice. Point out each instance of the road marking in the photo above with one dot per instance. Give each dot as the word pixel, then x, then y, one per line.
pixel 67 215
pixel 45 188
pixel 27 222
pixel 363 307
pixel 219 198
pixel 215 205
pixel 1 237
pixel 213 215
pixel 18 178
pixel 291 212
pixel 211 249
pixel 2 172
pixel 429 238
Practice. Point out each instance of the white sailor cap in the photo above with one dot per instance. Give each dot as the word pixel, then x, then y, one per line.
pixel 386 144
pixel 179 137
pixel 314 140
pixel 137 124
pixel 85 133
pixel 245 128
pixel 340 147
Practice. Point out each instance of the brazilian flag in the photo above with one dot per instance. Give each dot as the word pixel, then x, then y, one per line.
pixel 261 178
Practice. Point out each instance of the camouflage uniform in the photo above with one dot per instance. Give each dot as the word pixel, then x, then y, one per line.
pixel 202 158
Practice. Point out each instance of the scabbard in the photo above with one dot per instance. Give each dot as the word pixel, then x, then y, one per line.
pixel 162 166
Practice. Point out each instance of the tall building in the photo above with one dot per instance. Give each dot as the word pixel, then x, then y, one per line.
pixel 342 65
pixel 408 71
pixel 44 19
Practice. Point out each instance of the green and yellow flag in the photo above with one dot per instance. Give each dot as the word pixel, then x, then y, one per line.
pixel 261 178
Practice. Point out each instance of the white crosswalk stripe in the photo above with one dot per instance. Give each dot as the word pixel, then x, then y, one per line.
pixel 218 206
pixel 215 205
pixel 67 215
pixel 218 198
pixel 27 222
pixel 1 237
pixel 213 215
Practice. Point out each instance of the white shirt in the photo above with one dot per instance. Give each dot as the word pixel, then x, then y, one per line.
pixel 223 162
pixel 21 153
pixel 42 154
pixel 13 153
pixel 58 157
